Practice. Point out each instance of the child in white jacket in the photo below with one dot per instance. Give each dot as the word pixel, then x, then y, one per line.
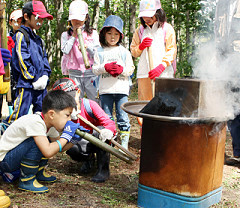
pixel 113 63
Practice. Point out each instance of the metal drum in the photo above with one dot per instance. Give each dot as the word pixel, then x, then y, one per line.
pixel 181 162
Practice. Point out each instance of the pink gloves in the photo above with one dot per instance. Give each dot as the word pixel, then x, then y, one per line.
pixel 113 68
pixel 156 72
pixel 147 42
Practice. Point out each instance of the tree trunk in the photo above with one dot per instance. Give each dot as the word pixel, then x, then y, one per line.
pixel 132 21
pixel 96 13
pixel 107 8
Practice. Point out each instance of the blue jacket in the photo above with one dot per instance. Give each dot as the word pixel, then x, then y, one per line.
pixel 29 62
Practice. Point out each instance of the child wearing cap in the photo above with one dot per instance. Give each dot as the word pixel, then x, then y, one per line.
pixel 15 21
pixel 72 60
pixel 84 150
pixel 113 64
pixel 29 141
pixel 30 67
pixel 156 33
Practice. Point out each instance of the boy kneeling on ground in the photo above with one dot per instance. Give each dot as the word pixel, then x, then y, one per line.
pixel 29 141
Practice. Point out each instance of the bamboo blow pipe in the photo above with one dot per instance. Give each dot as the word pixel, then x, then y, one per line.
pixel 83 49
pixel 150 59
pixel 103 146
pixel 129 154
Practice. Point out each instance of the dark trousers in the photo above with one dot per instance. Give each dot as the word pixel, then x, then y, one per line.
pixel 235 133
pixel 24 99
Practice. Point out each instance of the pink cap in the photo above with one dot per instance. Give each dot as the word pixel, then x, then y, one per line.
pixel 148 8
pixel 38 9
pixel 16 14
pixel 78 10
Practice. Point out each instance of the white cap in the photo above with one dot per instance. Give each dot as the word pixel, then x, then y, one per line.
pixel 16 14
pixel 148 8
pixel 78 10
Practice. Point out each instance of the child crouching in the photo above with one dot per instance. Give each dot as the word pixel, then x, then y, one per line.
pixel 30 140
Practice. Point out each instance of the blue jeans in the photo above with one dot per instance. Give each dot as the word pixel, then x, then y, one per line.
pixel 107 102
pixel 235 133
pixel 26 150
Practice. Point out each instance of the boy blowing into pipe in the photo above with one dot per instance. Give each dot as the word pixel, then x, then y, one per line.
pixel 29 141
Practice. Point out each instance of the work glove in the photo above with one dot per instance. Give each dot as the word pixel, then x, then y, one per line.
pixel 75 113
pixel 6 56
pixel 69 130
pixel 41 83
pixel 156 72
pixel 10 44
pixel 113 68
pixel 76 138
pixel 105 134
pixel 146 42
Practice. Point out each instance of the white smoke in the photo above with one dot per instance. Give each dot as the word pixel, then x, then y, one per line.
pixel 218 66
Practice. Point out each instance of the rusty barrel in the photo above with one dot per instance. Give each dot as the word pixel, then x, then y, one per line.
pixel 181 162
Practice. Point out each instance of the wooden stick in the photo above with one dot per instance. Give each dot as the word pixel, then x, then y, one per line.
pixel 150 59
pixel 132 156
pixel 83 49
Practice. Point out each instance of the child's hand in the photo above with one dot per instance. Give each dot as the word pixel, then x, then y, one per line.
pixel 156 72
pixel 75 113
pixel 105 134
pixel 41 83
pixel 69 130
pixel 113 68
pixel 147 42
pixel 76 138
pixel 6 56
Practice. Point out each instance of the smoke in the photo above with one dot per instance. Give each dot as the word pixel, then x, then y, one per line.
pixel 218 65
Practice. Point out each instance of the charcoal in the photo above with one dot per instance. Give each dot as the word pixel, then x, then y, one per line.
pixel 166 103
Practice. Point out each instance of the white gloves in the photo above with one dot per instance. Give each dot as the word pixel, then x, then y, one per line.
pixel 41 83
pixel 75 113
pixel 105 134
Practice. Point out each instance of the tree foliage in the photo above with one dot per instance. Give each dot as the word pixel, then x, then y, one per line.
pixel 187 17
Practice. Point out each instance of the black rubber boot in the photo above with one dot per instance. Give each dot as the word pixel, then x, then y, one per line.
pixel 88 165
pixel 103 172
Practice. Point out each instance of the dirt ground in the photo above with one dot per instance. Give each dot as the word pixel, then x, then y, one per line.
pixel 75 190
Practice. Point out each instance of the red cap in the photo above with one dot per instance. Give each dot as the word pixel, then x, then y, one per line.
pixel 65 84
pixel 38 9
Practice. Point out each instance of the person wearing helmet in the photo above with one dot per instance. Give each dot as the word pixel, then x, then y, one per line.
pixel 113 64
pixel 72 62
pixel 156 33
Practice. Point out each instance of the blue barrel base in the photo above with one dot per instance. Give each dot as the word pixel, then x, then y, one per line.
pixel 154 198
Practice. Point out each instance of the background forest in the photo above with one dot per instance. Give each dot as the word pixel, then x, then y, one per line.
pixel 193 22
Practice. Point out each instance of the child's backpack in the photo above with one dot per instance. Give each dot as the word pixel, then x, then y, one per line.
pixel 140 33
pixel 26 36
pixel 88 108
